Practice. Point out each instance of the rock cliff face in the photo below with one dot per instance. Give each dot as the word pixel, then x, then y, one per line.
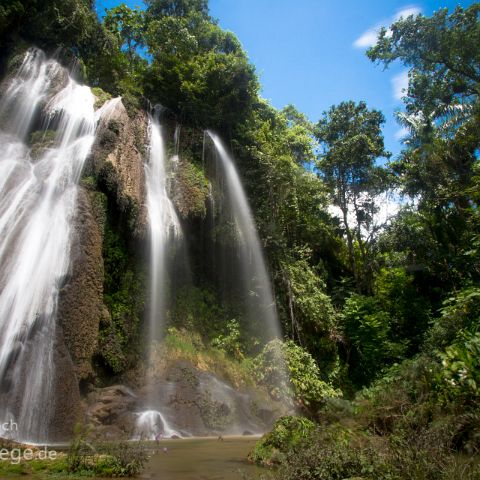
pixel 81 300
pixel 111 201
pixel 67 407
pixel 115 167
pixel 117 161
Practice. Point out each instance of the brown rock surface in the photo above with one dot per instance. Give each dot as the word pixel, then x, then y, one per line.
pixel 66 397
pixel 118 160
pixel 81 299
pixel 110 411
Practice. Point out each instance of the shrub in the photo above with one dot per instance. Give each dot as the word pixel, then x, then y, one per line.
pixel 459 380
pixel 119 459
pixel 100 96
pixel 367 328
pixel 286 433
pixel 230 342
pixel 289 372
pixel 122 459
pixel 460 312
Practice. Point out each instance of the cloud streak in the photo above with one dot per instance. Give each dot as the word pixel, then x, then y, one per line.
pixel 401 133
pixel 369 37
pixel 400 85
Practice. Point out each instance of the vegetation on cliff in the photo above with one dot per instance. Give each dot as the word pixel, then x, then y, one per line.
pixel 385 313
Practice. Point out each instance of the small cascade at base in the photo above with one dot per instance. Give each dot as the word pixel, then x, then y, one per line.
pixel 152 425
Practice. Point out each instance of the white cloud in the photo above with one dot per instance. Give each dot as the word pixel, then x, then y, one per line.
pixel 407 11
pixel 400 85
pixel 369 38
pixel 401 133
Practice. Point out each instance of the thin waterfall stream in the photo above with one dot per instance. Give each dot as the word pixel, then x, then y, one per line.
pixel 164 227
pixel 254 274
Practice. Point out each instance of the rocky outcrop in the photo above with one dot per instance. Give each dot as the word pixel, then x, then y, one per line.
pixel 81 299
pixel 116 167
pixel 110 411
pixel 190 190
pixel 67 407
pixel 192 401
pixel 117 161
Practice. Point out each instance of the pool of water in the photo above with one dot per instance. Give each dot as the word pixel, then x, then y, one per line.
pixel 203 459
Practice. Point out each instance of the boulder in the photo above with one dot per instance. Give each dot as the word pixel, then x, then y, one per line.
pixel 111 410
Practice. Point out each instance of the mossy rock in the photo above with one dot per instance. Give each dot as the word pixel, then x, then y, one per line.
pixel 40 141
pixel 191 190
pixel 215 415
pixel 99 208
pixel 110 346
pixel 101 97
pixel 132 104
pixel 124 296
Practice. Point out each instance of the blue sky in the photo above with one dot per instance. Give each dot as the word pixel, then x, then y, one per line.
pixel 311 53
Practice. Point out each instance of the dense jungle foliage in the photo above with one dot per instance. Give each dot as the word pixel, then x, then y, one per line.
pixel 385 315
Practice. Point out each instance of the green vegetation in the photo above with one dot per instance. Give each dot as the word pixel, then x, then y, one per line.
pixel 290 372
pixel 187 345
pixel 119 459
pixel 286 434
pixel 124 295
pixel 408 316
pixel 191 190
pixel 385 315
pixel 101 96
pixel 83 459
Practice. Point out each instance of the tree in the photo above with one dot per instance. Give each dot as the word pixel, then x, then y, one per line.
pixel 443 55
pixel 442 107
pixel 442 117
pixel 198 70
pixel 128 25
pixel 351 142
pixel 177 8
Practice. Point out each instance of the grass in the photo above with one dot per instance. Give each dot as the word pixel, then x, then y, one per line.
pixel 187 345
pixel 83 460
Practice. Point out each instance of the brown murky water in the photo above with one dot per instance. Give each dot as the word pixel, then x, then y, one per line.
pixel 204 459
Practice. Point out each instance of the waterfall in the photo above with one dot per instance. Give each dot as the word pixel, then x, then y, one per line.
pixel 152 425
pixel 164 225
pixel 164 228
pixel 38 192
pixel 254 274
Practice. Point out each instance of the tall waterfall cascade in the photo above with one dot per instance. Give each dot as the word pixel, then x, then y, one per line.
pixel 164 227
pixel 253 270
pixel 38 192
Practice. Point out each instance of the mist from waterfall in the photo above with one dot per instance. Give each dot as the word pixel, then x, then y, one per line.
pixel 38 193
pixel 252 270
pixel 151 425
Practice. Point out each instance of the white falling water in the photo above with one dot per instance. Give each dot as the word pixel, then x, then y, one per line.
pixel 27 91
pixel 163 223
pixel 164 227
pixel 255 274
pixel 152 425
pixel 37 203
